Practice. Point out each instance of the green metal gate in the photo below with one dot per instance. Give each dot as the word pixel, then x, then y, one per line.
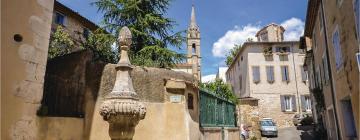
pixel 216 111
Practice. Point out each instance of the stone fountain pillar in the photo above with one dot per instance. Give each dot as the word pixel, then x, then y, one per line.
pixel 121 107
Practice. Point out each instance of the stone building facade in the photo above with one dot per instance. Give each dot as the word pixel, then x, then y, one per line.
pixel 268 79
pixel 77 26
pixel 193 58
pixel 331 39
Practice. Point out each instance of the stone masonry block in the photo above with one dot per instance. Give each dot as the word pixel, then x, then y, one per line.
pixel 24 129
pixel 29 91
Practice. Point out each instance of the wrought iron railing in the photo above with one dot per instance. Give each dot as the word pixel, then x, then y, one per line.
pixel 216 111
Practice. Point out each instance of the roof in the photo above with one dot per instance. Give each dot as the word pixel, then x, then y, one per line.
pixel 311 13
pixel 246 44
pixel 59 7
pixel 271 24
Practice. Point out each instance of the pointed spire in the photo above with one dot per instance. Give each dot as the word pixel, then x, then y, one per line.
pixel 193 19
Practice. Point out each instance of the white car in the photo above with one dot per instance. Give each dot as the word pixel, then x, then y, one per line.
pixel 268 127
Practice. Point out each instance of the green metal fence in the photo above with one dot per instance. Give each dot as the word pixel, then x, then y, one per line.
pixel 216 111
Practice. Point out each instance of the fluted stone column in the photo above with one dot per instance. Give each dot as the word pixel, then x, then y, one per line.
pixel 121 107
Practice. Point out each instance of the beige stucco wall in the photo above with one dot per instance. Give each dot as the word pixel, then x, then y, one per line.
pixel 23 65
pixel 165 119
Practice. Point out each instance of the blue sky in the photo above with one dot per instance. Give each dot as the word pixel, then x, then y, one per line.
pixel 222 22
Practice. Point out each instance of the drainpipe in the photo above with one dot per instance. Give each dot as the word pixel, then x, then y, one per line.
pixel 296 84
pixel 330 70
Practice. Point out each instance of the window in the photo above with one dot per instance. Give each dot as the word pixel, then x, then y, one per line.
pixel 303 74
pixel 86 32
pixel 256 74
pixel 357 17
pixel 59 18
pixel 348 119
pixel 288 103
pixel 285 73
pixel 270 74
pixel 193 48
pixel 337 48
pixel 190 101
pixel 305 103
pixel 325 67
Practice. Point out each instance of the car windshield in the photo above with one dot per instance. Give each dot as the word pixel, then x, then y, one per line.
pixel 267 123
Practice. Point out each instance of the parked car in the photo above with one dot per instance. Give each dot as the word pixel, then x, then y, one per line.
pixel 303 119
pixel 268 127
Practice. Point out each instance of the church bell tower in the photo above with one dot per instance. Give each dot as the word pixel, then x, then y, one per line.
pixel 193 46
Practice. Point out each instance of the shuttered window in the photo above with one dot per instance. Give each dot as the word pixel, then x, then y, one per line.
pixel 285 73
pixel 337 48
pixel 288 103
pixel 256 74
pixel 270 74
pixel 303 74
pixel 305 103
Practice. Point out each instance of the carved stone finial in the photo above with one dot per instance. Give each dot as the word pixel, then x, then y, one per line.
pixel 121 107
pixel 125 37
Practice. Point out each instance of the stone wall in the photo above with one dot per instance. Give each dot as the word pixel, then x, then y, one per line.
pixel 165 118
pixel 23 62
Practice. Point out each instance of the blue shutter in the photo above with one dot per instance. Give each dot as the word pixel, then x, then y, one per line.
pixel 283 73
pixel 337 49
pixel 293 101
pixel 282 101
pixel 303 103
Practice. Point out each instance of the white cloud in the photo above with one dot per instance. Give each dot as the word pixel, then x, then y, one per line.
pixel 235 36
pixel 294 28
pixel 208 78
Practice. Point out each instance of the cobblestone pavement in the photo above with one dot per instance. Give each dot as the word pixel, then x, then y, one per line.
pixel 293 133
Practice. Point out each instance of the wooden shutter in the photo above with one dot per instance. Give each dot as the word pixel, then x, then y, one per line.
pixel 282 102
pixel 256 74
pixel 303 103
pixel 283 73
pixel 293 102
pixel 272 73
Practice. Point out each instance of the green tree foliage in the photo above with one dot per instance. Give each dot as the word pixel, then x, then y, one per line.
pixel 232 54
pixel 101 42
pixel 60 44
pixel 151 31
pixel 220 88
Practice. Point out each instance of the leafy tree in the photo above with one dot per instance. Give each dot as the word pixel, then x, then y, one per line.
pixel 221 89
pixel 151 31
pixel 60 44
pixel 101 43
pixel 232 54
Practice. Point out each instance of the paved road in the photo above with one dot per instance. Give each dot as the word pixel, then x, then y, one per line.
pixel 293 133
